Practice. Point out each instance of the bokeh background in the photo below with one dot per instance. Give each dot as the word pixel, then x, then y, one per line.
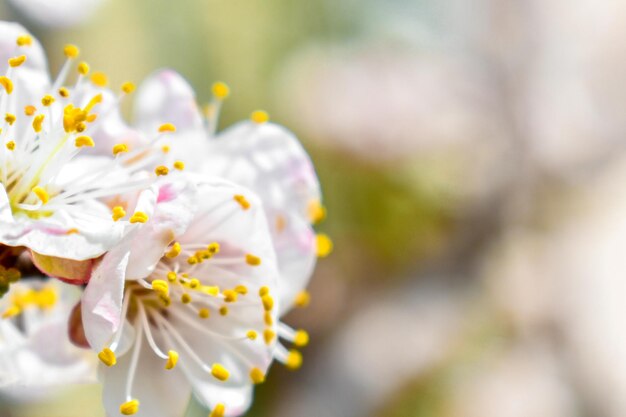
pixel 473 163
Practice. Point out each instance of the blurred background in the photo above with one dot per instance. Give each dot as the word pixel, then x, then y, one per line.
pixel 473 162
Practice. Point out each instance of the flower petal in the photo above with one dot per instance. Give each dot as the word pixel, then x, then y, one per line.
pixel 270 160
pixel 102 299
pixel 165 97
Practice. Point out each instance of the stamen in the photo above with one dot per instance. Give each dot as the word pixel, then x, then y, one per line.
pixel 257 376
pixel 253 260
pixel 29 110
pixel 129 408
pixel 179 165
pixel 17 61
pixel 139 217
pixel 243 202
pixel 7 84
pixel 38 122
pixel 167 127
pixel 107 357
pixel 84 141
pixel 47 100
pixel 172 360
pixel 118 213
pixel 303 299
pixel 71 51
pixel 174 251
pixel 41 194
pixel 220 90
pixel 83 68
pixel 218 411
pixel 219 372
pixel 10 119
pixel 120 148
pixel 128 87
pixel 259 117
pixel 161 170
pixel 324 245
pixel 64 92
pixel 99 79
pixel 10 145
pixel 24 40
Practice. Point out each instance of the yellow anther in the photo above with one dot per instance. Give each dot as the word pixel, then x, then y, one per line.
pixel 139 217
pixel 167 301
pixel 223 311
pixel 10 145
pixel 47 100
pixel 38 122
pixel 212 290
pixel 303 298
pixel 80 127
pixel 174 251
pixel 161 287
pixel 64 92
pixel 268 319
pixel 84 141
pixel 24 40
pixel 219 372
pixel 268 302
pixel 268 336
pixel 161 170
pixel 120 148
pixel 83 68
pixel 252 335
pixel 172 360
pixel 171 276
pixel 100 79
pixel 213 248
pixel 185 298
pixel 263 291
pixel 17 61
pixel 129 408
pixel 220 90
pixel 107 357
pixel 91 118
pixel 165 148
pixel 243 202
pixel 10 118
pixel 259 117
pixel 128 87
pixel 46 298
pixel 301 338
pixel 179 165
pixel 324 245
pixel 167 127
pixel 253 260
pixel 241 289
pixel 192 260
pixel 41 194
pixel 294 360
pixel 72 231
pixel 204 313
pixel 218 411
pixel 317 212
pixel 11 312
pixel 118 213
pixel 257 376
pixel 71 51
pixel 230 296
pixel 29 110
pixel 7 84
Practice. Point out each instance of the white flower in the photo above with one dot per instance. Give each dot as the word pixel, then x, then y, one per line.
pixel 198 303
pixel 36 358
pixel 51 193
pixel 256 154
pixel 58 13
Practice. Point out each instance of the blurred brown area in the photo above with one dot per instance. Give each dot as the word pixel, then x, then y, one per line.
pixel 472 157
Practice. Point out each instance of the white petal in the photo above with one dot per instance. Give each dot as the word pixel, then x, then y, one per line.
pixel 102 299
pixel 165 97
pixel 57 14
pixel 173 211
pixel 270 160
pixel 161 393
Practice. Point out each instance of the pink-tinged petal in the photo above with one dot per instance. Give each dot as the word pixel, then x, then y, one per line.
pixel 270 160
pixel 102 299
pixel 166 97
pixel 174 208
pixel 161 393
pixel 67 270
